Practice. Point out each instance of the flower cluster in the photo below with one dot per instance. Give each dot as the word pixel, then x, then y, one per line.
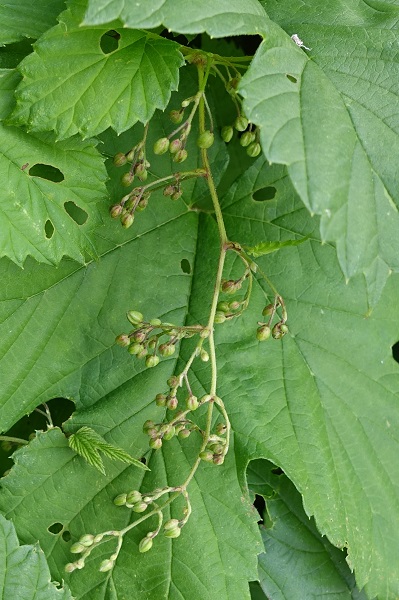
pixel 277 331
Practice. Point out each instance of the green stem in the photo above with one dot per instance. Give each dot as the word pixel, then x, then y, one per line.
pixel 15 440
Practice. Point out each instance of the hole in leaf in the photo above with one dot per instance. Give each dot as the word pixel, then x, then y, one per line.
pixel 48 229
pixel 76 213
pixel 46 172
pixel 55 528
pixel 277 471
pixel 109 42
pixel 395 352
pixel 185 266
pixel 292 78
pixel 66 536
pixel 260 506
pixel 143 460
pixel 264 194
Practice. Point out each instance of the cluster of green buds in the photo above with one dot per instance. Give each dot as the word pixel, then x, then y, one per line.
pixel 217 446
pixel 85 545
pixel 267 329
pixel 138 162
pixel 230 309
pixel 133 202
pixel 249 137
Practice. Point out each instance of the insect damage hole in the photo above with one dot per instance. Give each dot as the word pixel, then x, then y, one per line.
pixel 48 229
pixel 76 213
pixel 109 41
pixel 46 172
pixel 185 266
pixel 264 194
pixel 395 352
pixel 55 528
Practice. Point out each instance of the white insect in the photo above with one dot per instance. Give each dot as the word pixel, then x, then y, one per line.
pixel 299 42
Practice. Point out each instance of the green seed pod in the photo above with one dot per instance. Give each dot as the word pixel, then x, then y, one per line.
pixel 171 524
pixel 152 361
pixel 146 544
pixel 141 172
pixel 204 355
pixel 206 455
pixel 120 159
pixel 77 548
pixel 142 354
pixel 134 497
pixel 176 116
pixel 106 565
pixel 171 432
pixel 87 540
pixel 69 568
pixel 241 123
pixel 254 149
pixel 123 340
pixel 139 336
pixel 173 381
pixel 160 400
pixel 227 133
pixel 184 434
pixel 142 204
pixel 152 342
pixel 156 322
pixel 216 448
pixel 135 317
pixel 277 334
pixel 135 348
pixel 120 500
pixel 155 443
pixel 186 102
pixel 172 533
pixel 263 333
pixel 223 307
pixel 172 402
pixel 206 139
pixel 161 146
pixel 127 220
pixel 180 156
pixel 177 194
pixel 175 146
pixel 220 317
pixel 229 287
pixel 148 425
pixel 283 328
pixel 80 563
pixel 131 154
pixel 218 459
pixel 98 538
pixel 192 402
pixel 234 305
pixel 115 211
pixel 268 310
pixel 206 398
pixel 247 138
pixel 127 179
pixel 140 507
pixel 167 349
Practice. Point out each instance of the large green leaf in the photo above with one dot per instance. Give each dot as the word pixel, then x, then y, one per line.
pixel 298 562
pixel 24 571
pixel 71 85
pixel 327 114
pixel 22 18
pixel 219 19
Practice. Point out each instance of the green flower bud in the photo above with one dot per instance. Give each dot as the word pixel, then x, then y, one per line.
pixel 171 524
pixel 160 400
pixel 169 190
pixel 206 455
pixel 216 448
pixel 134 497
pixel 205 140
pixel 142 354
pixel 167 349
pixel 221 428
pixel 80 563
pixel 172 533
pixel 141 172
pixel 142 204
pixel 283 328
pixel 172 402
pixel 127 220
pixel 161 146
pixel 171 432
pixel 176 116
pixel 206 398
pixel 175 146
pixel 220 317
pixel 234 305
pixel 151 361
pixel 268 310
pixel 135 348
pixel 123 340
pixel 276 332
pixel 204 355
pixel 127 179
pixel 120 500
pixel 152 342
pixel 139 336
pixel 135 317
pixel 173 381
pixel 87 540
pixel 98 538
pixel 241 123
pixel 145 544
pixel 106 565
pixel 254 150
pixel 77 548
pixel 156 322
pixel 184 434
pixel 148 425
pixel 131 154
pixel 69 568
pixel 120 159
pixel 263 333
pixel 140 507
pixel 192 402
pixel 232 85
pixel 186 102
pixel 218 459
pixel 177 194
pixel 180 156
pixel 247 138
pixel 155 443
pixel 229 287
pixel 227 133
pixel 223 307
pixel 115 211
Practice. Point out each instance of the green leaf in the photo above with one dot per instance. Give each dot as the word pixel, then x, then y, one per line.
pixel 9 79
pixel 224 18
pixel 47 210
pixel 298 562
pixel 22 18
pixel 326 114
pixel 24 571
pixel 72 86
pixel 267 247
pixel 89 443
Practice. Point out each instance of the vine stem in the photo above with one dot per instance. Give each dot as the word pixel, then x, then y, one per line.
pixel 7 438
